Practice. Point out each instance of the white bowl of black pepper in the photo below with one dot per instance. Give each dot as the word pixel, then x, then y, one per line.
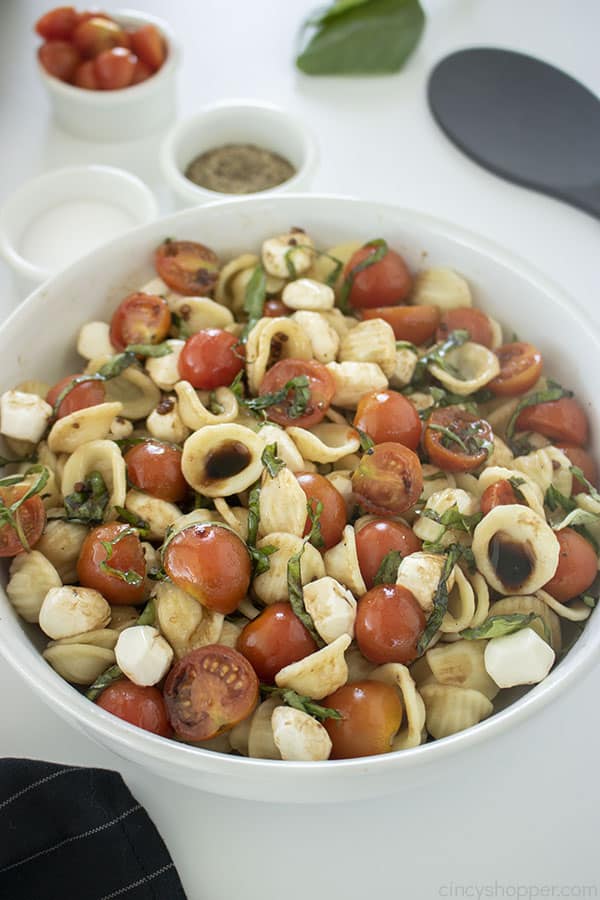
pixel 237 147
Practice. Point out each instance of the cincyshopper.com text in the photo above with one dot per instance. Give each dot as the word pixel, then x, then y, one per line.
pixel 516 891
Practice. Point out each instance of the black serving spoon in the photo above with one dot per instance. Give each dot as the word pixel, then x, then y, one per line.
pixel 523 119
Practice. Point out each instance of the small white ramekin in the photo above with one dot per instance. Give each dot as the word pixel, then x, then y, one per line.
pixel 124 114
pixel 236 122
pixel 73 183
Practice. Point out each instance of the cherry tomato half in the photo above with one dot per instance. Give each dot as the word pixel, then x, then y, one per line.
pixel 57 24
pixel 187 267
pixel 389 416
pixel 389 622
pixel 209 691
pixel 209 360
pixel 416 324
pixel 147 43
pixel 275 639
pixel 114 68
pixel 140 319
pixel 456 440
pixel 559 420
pixel 96 570
pixel 88 393
pixel 577 566
pixel 472 320
pixel 376 539
pixel 155 468
pixel 371 717
pixel 59 58
pixel 501 493
pixel 582 459
pixel 321 385
pixel 30 516
pixel 333 516
pixel 211 563
pixel 384 283
pixel 141 706
pixel 93 36
pixel 388 479
pixel 520 367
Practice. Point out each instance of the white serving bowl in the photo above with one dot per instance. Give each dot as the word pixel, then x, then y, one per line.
pixel 125 114
pixel 38 341
pixel 236 122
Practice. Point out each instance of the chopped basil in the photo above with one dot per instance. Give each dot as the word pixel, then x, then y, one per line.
pixel 449 436
pixel 555 500
pixel 553 392
pixel 8 514
pixel 304 704
pixel 315 536
pixel 254 300
pixel 498 626
pixel 516 483
pixel 112 674
pixel 578 474
pixel 437 354
pixel 129 576
pixel 296 596
pixel 407 345
pixel 88 504
pixel 258 556
pixel 141 526
pixel 388 568
pixel 157 575
pixel 299 389
pixel 237 386
pixel 148 614
pixel 183 331
pixel 578 517
pixel 435 476
pixel 440 600
pixel 471 440
pixel 453 519
pixel 442 398
pixel 152 350
pixel 366 442
pixel 213 405
pixel 272 463
pixel 380 248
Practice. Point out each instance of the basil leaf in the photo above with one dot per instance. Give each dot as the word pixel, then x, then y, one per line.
pixel 315 536
pixel 359 37
pixel 440 600
pixel 578 474
pixel 272 463
pixel 260 558
pixel 516 483
pixel 298 387
pixel 437 354
pixel 388 568
pixel 141 526
pixel 555 500
pixel 112 674
pixel 88 504
pixel 296 597
pixel 178 322
pixel 498 626
pixel 454 519
pixel 237 385
pixel 366 442
pixel 442 398
pixel 213 404
pixel 380 248
pixel 116 365
pixel 253 513
pixel 553 392
pixel 435 476
pixel 148 614
pixel 306 705
pixel 450 436
pixel 254 300
pixel 152 350
pixel 577 517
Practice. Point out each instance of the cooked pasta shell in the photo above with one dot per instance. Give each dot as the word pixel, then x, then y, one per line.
pixel 240 734
pixel 227 274
pixel 340 323
pixel 270 340
pixel 19 447
pixel 481 593
pixel 331 607
pixel 234 516
pixel 420 573
pixel 93 340
pixel 296 248
pixel 371 341
pixel 404 369
pixel 501 454
pixel 298 736
pixel 229 635
pixel 165 422
pixel 183 621
pixel 101 637
pixel 341 479
pixel 461 605
pixel 324 340
pixel 261 743
pixel 498 413
pixel 51 496
pixel 157 286
pixel 195 517
pixel 399 677
pixel 221 460
pixel 530 489
pixel 90 424
pixel 79 663
pixel 515 549
pixel 120 429
pixel 575 611
pixel 271 586
pixel 441 287
pixel 462 664
pixel 421 401
pixel 164 370
pixel 136 391
pixel 247 609
pixel 359 667
pixel 474 364
pixel 547 466
pixel 61 543
pixel 308 294
pixel 353 379
pixel 450 708
pixel 122 617
pixel 282 504
pixel 157 513
pixel 239 287
pixel 439 502
pixel 324 265
pixel 325 443
pixel 548 628
pixel 69 610
pixel 98 456
pixel 201 312
pixel 286 448
pixel 31 576
pixel 341 563
pixel 435 480
pixel 346 463
pixel 195 414
pixel 318 674
pixel 468 482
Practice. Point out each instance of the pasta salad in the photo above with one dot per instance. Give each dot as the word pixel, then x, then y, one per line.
pixel 303 505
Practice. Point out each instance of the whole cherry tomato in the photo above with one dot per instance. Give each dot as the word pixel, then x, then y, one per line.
pixel 57 24
pixel 582 459
pixel 289 411
pixel 468 319
pixel 141 72
pixel 456 440
pixel 85 76
pixel 378 538
pixel 501 493
pixel 141 706
pixel 114 68
pixel 155 468
pixel 384 283
pixel 389 416
pixel 389 622
pixel 140 319
pixel 187 267
pixel 30 518
pixel 59 58
pixel 416 324
pixel 211 359
pixel 388 479
pixel 88 393
pixel 577 566
pixel 147 43
pixel 559 420
pixel 520 367
pixel 275 639
pixel 319 489
pixel 371 717
pixel 92 36
pixel 112 562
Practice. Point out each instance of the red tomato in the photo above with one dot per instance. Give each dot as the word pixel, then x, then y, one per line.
pixel 140 319
pixel 333 516
pixel 583 460
pixel 457 441
pixel 275 639
pixel 209 359
pixel 114 68
pixel 275 308
pixel 520 367
pixel 97 570
pixel 85 76
pixel 88 393
pixel 376 539
pixel 388 479
pixel 93 36
pixel 57 24
pixel 211 563
pixel 501 493
pixel 187 267
pixel 147 43
pixel 577 566
pixel 155 468
pixel 416 324
pixel 321 390
pixel 371 717
pixel 559 420
pixel 389 622
pixel 209 691
pixel 60 59
pixel 30 517
pixel 384 283
pixel 141 706
pixel 141 72
pixel 468 319
pixel 389 416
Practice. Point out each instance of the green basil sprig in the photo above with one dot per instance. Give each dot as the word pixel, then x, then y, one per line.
pixel 379 248
pixel 88 504
pixel 254 300
pixel 258 555
pixel 272 463
pixel 298 387
pixel 112 674
pixel 436 355
pixel 315 536
pixel 388 568
pixel 296 597
pixel 304 704
pixel 499 626
pixel 129 576
pixel 440 599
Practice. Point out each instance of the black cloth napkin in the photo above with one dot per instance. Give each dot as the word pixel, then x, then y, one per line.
pixel 67 831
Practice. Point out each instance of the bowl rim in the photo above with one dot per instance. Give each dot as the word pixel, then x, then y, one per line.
pixel 134 91
pixel 117 733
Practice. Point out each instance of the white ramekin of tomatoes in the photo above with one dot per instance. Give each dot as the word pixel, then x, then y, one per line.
pixel 109 78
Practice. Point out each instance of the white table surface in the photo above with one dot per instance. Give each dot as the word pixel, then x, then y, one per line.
pixel 522 820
